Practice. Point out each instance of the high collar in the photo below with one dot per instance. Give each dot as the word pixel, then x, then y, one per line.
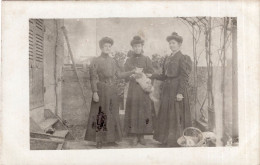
pixel 105 55
pixel 175 53
pixel 137 55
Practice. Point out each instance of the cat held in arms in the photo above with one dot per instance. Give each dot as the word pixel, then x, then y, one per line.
pixel 145 83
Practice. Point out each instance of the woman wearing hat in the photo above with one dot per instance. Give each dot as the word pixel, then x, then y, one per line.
pixel 138 112
pixel 103 123
pixel 174 114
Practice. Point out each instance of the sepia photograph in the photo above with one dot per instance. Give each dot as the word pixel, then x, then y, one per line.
pixel 130 82
pixel 123 83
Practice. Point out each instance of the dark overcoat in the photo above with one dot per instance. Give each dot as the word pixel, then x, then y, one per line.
pixel 139 107
pixel 173 115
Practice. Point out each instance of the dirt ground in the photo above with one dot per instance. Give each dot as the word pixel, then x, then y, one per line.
pixel 79 143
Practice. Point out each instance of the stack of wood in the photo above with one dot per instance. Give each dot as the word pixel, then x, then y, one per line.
pixel 49 134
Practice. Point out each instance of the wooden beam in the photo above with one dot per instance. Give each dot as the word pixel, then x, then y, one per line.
pixel 234 80
pixel 74 64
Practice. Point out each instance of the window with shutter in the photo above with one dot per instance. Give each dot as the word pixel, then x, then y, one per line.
pixel 36 56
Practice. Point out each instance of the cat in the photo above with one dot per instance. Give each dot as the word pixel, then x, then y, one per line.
pixel 145 83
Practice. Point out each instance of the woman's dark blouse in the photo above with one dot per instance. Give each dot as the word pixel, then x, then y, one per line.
pixel 176 66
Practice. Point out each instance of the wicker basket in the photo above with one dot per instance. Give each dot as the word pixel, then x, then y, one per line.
pixel 192 137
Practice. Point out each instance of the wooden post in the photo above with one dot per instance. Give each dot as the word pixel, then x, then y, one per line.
pixel 55 66
pixel 223 80
pixel 234 80
pixel 74 65
pixel 194 67
pixel 225 135
pixel 211 110
pixel 59 63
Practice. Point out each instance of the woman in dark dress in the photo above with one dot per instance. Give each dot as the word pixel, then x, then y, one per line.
pixel 174 114
pixel 103 123
pixel 138 113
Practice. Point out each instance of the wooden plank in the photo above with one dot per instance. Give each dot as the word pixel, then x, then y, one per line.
pixel 37 84
pixel 43 144
pixel 47 140
pixel 34 127
pixel 31 83
pixel 40 37
pixel 48 122
pixel 36 57
pixel 37 114
pixel 39 50
pixel 39 23
pixel 61 133
pixel 235 130
pixel 58 140
pixel 45 136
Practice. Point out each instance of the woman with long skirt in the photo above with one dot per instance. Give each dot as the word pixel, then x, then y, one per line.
pixel 174 113
pixel 103 122
pixel 139 109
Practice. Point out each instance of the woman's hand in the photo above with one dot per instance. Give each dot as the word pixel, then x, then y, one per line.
pixel 136 76
pixel 95 97
pixel 133 71
pixel 138 70
pixel 179 97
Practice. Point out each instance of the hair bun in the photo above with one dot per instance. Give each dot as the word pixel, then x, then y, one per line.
pixel 174 33
pixel 175 36
pixel 137 38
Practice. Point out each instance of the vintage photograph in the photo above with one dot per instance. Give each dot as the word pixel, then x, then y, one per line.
pixel 113 83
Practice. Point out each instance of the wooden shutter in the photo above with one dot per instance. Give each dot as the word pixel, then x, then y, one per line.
pixel 36 57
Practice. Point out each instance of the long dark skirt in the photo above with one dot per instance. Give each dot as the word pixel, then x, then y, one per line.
pixel 139 111
pixel 173 116
pixel 103 123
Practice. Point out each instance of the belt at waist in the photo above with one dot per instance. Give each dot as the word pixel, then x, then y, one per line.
pixel 107 81
pixel 171 78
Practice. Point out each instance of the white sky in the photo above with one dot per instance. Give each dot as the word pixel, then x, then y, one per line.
pixel 84 35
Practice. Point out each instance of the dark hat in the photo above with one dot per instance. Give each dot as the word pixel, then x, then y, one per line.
pixel 105 40
pixel 137 40
pixel 175 36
